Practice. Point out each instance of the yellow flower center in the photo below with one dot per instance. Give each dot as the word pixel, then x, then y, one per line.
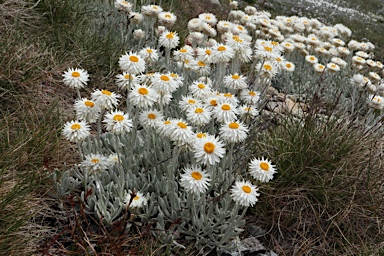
pixel 118 117
pixel 312 58
pixel 268 49
pixel 213 103
pixel 151 116
pixel 252 93
pixel 196 175
pixel 226 107
pixel 167 122
pixel 274 43
pixel 134 59
pixel 321 66
pixel 201 86
pixel 143 91
pixel 288 65
pixel 170 35
pixel 207 17
pixel 235 76
pixel 201 64
pixel 247 189
pixel 240 27
pixel 164 78
pixel 173 75
pixel 75 74
pixel 278 59
pixel 201 135
pixel 168 16
pixel 264 166
pixel 191 102
pixel 149 51
pixel 182 125
pixel 209 147
pixel 127 76
pixel 76 127
pixel 95 160
pixel 106 92
pixel 267 67
pixel 208 52
pixel 287 45
pixel 199 110
pixel 233 125
pixel 183 50
pixel 227 95
pixel 136 198
pixel 221 48
pixel 89 103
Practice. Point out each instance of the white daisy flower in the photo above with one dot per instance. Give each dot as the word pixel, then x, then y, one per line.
pixel 105 99
pixel 123 6
pixel 143 96
pixel 222 53
pixel 164 83
pixel 235 81
pixel 248 112
pixel 151 10
pixel 86 110
pixel 229 98
pixel 267 69
pixel 138 34
pixel 233 132
pixel 224 113
pixel 132 63
pixel 194 24
pixel 138 200
pixel 200 89
pixel 149 55
pixel 166 127
pixel 150 118
pixel 342 63
pixel 95 163
pixel 250 97
pixel 75 78
pixel 113 159
pixel 204 54
pixel 333 67
pixel 244 193
pixel 376 102
pixel 117 122
pixel 198 115
pixel 311 59
pixel 125 80
pixel 288 66
pixel 208 150
pixel 195 180
pixel 183 54
pixel 209 18
pixel 319 68
pixel 169 39
pixel 166 18
pixel 262 169
pixel 188 101
pixel 343 51
pixel 76 131
pixel 181 131
pixel 201 68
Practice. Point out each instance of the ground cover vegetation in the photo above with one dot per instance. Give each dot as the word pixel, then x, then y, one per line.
pixel 139 128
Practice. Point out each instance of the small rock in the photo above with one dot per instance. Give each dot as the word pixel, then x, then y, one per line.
pixel 271 91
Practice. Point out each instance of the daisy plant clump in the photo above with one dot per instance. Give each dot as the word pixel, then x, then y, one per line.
pixel 169 142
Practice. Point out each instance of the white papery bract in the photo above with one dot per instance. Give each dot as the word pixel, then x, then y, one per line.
pixel 235 81
pixel 181 131
pixel 149 54
pixel 199 115
pixel 86 110
pixel 143 96
pixel 250 97
pixel 132 63
pixel 169 39
pixel 95 163
pixel 233 132
pixel 125 81
pixel 262 169
pixel 222 53
pixel 150 118
pixel 244 193
pixel 76 131
pixel 105 99
pixel 138 201
pixel 208 150
pixel 123 6
pixel 117 122
pixel 224 113
pixel 75 78
pixel 200 89
pixel 376 102
pixel 165 83
pixel 195 180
